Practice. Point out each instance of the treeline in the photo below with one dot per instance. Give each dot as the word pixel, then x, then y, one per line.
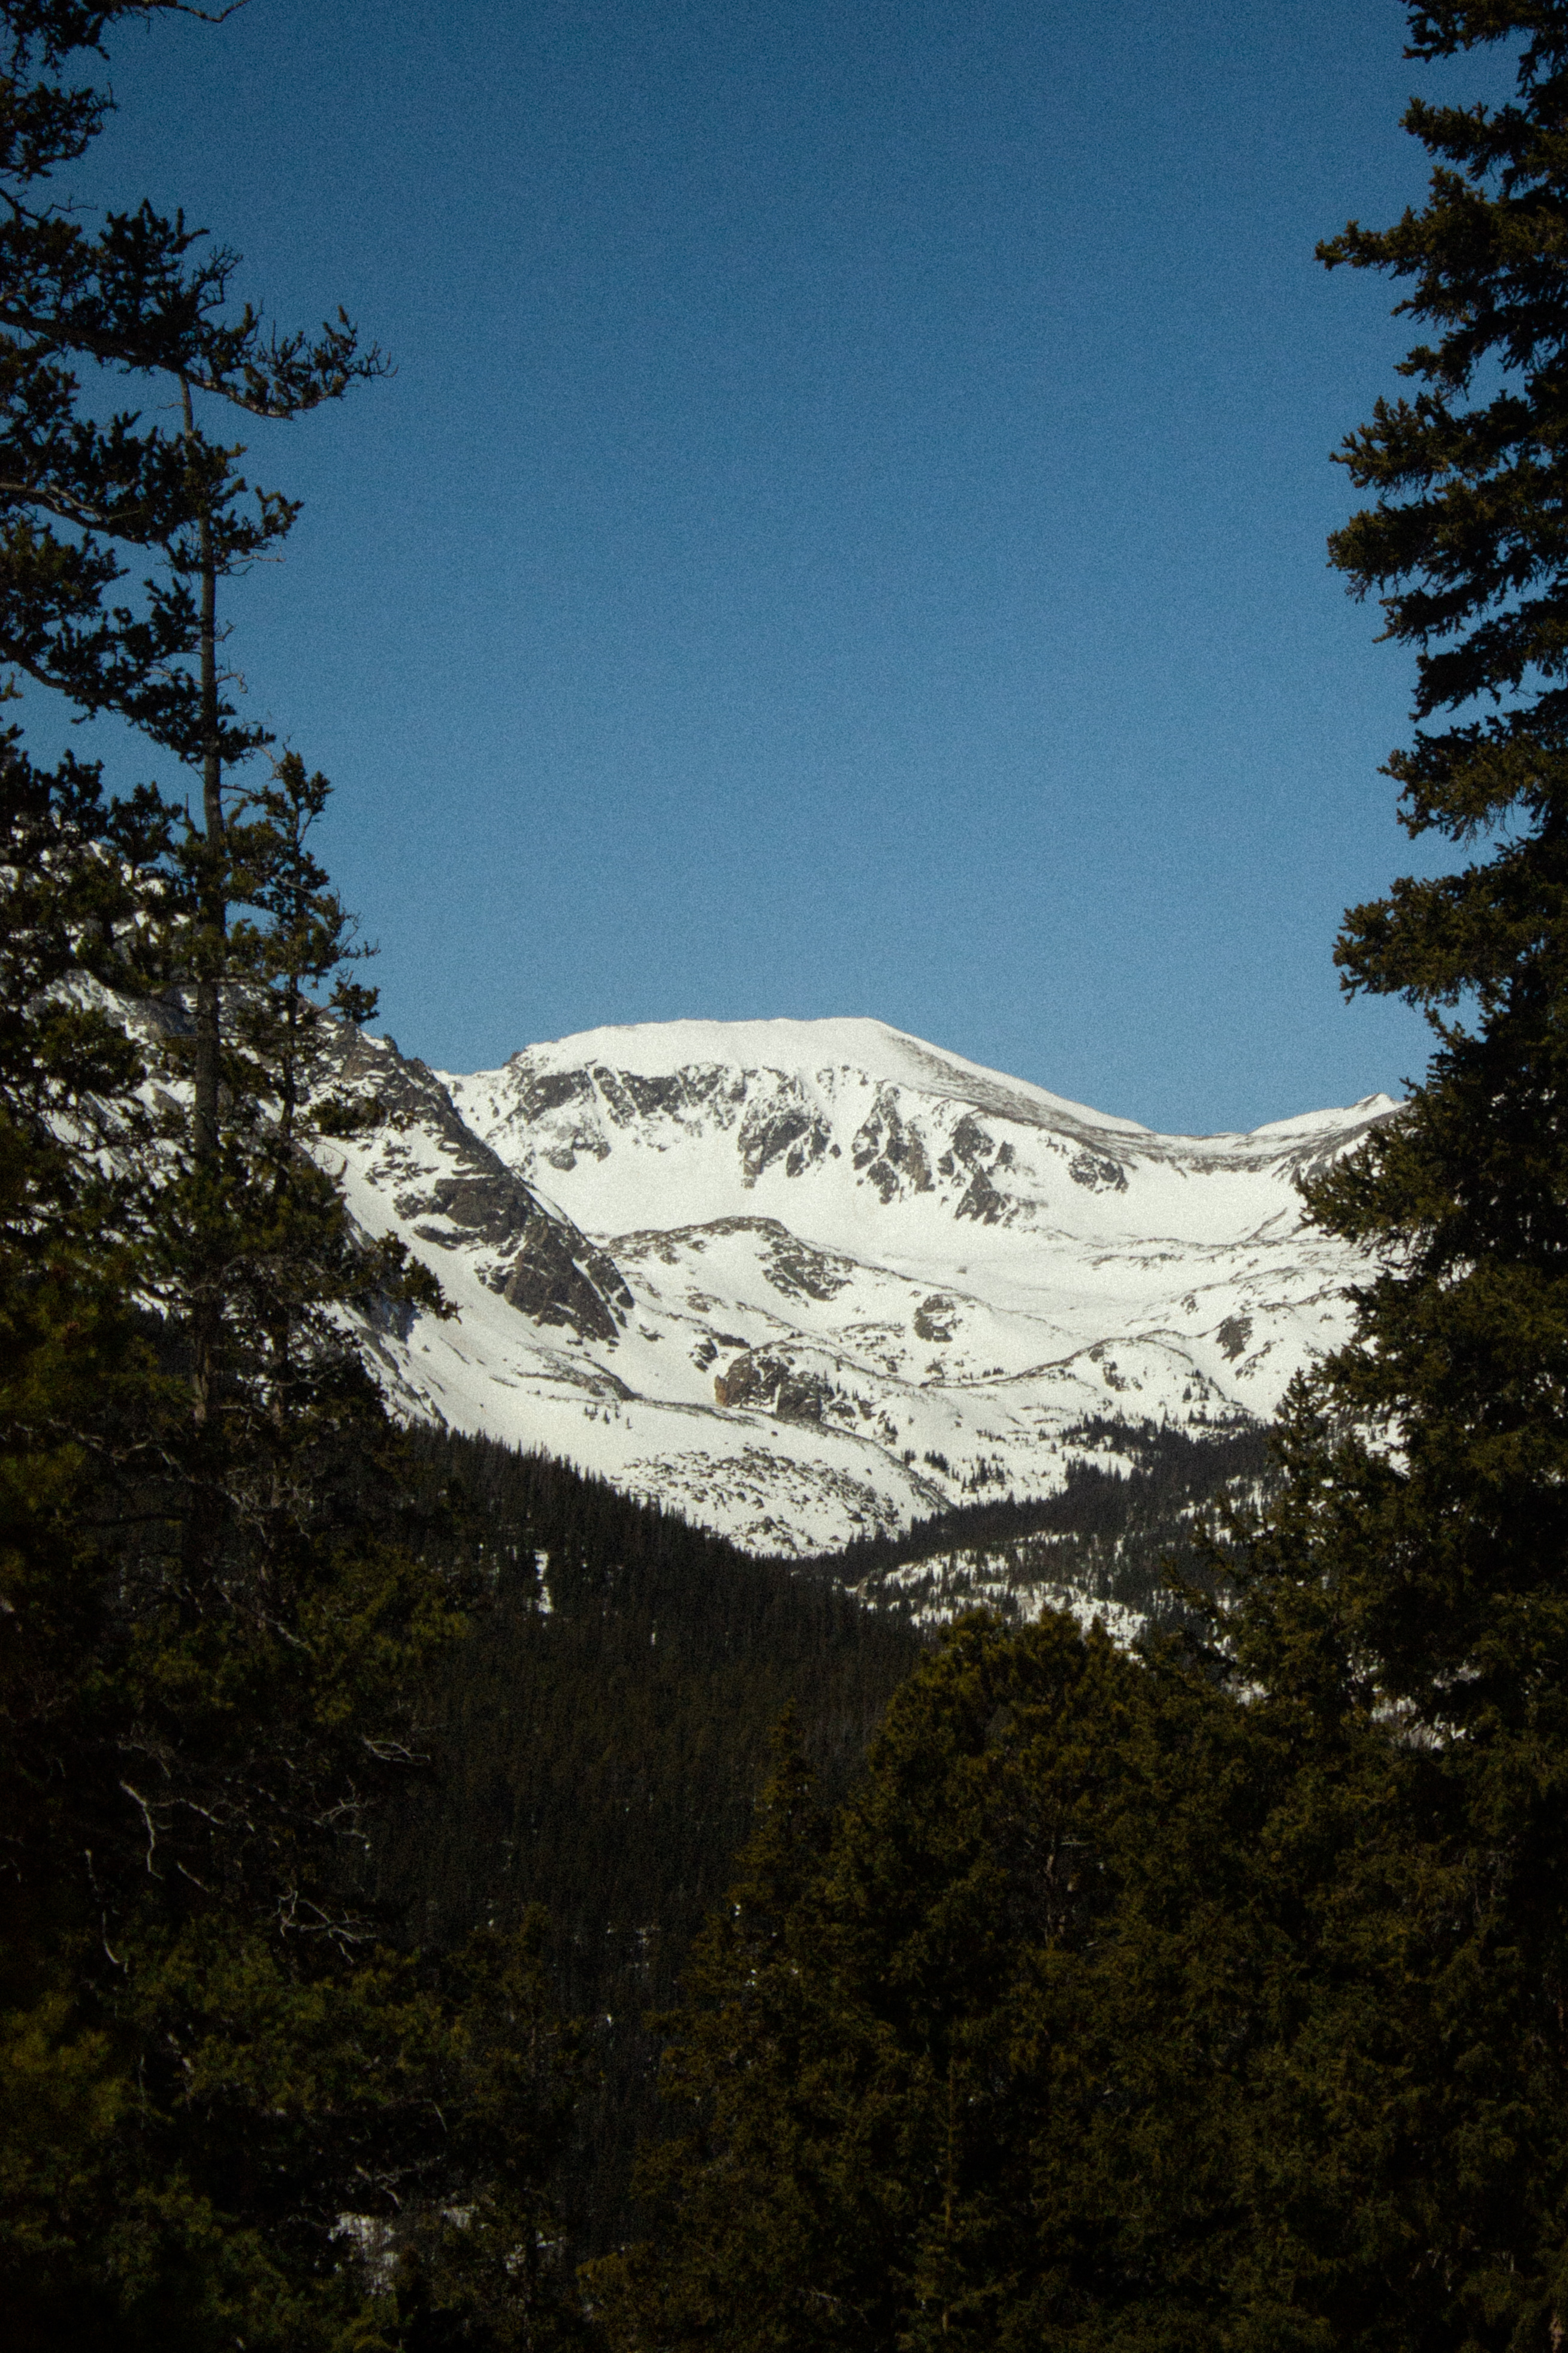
pixel 1127 1530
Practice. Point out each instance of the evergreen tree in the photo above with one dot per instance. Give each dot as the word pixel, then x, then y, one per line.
pixel 145 298
pixel 1414 1573
pixel 219 2090
pixel 724 2191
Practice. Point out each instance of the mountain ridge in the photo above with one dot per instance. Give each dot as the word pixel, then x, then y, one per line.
pixel 805 1281
pixel 659 1049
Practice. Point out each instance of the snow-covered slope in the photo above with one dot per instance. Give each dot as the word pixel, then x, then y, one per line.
pixel 799 1280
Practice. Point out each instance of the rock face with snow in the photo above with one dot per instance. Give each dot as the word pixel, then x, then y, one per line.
pixel 803 1280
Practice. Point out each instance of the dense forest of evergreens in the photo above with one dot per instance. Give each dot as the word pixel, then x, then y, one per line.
pixel 597 1740
pixel 362 1791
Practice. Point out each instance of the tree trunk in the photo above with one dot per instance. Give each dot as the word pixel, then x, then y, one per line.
pixel 212 926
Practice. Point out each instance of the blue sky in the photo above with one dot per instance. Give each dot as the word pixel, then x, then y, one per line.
pixel 846 533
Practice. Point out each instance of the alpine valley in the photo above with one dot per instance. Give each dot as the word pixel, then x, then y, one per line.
pixel 807 1282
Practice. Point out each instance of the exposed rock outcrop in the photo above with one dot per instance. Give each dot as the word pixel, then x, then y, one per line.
pixel 454 1192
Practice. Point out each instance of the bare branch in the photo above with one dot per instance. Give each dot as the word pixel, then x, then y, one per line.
pixel 139 1800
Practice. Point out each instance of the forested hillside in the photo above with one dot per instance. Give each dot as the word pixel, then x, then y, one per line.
pixel 1122 1535
pixel 597 1741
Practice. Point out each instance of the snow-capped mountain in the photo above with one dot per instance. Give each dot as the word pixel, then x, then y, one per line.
pixel 800 1280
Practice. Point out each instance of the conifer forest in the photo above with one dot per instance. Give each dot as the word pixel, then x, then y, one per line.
pixel 445 1904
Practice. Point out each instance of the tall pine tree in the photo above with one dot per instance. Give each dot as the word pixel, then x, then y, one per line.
pixel 1417 1572
pixel 219 2120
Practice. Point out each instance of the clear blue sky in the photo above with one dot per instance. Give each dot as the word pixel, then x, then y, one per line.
pixel 846 534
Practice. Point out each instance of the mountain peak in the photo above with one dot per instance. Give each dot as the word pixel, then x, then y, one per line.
pixel 875 1050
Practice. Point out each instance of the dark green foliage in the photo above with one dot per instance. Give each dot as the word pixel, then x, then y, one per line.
pixel 216 2062
pixel 601 1760
pixel 142 297
pixel 227 2115
pixel 351 2158
pixel 1414 1573
pixel 1112 1533
pixel 1004 2059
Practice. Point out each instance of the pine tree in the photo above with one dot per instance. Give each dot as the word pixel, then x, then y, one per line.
pixel 1414 1576
pixel 146 299
pixel 216 2124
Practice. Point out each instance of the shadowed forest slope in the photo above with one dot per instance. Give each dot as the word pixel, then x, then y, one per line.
pixel 597 1741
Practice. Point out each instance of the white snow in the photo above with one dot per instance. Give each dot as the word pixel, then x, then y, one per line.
pixel 852 1043
pixel 850 1251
